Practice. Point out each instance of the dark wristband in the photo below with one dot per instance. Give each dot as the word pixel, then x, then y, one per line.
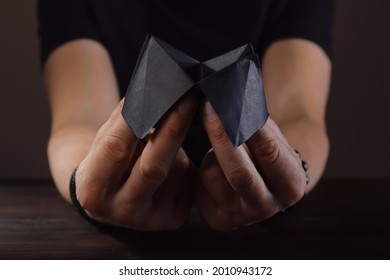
pixel 77 206
pixel 76 203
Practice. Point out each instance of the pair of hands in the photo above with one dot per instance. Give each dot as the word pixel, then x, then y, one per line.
pixel 151 187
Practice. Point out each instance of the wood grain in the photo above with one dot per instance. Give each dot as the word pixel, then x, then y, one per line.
pixel 340 219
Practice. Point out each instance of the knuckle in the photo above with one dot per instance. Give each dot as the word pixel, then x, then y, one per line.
pixel 129 215
pixel 87 202
pixel 268 211
pixel 154 170
pixel 182 163
pixel 240 176
pixel 89 197
pixel 264 209
pixel 174 131
pixel 296 194
pixel 268 150
pixel 294 188
pixel 115 148
pixel 217 133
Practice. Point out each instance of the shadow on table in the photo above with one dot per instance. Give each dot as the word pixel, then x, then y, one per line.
pixel 338 220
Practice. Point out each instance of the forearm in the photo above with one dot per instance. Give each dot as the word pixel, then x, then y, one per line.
pixel 67 147
pixel 296 79
pixel 311 140
pixel 82 91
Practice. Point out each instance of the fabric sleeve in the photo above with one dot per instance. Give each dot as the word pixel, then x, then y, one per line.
pixel 306 19
pixel 60 21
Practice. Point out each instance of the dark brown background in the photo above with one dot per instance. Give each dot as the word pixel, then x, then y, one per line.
pixel 358 111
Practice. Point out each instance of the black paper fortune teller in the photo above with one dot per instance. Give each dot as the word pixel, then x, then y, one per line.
pixel 231 82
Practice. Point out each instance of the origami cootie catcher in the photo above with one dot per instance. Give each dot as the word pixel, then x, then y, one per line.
pixel 231 82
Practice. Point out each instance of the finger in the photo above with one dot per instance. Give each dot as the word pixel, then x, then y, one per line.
pixel 166 196
pixel 153 166
pixel 205 203
pixel 278 163
pixel 216 217
pixel 108 160
pixel 173 199
pixel 232 210
pixel 235 163
pixel 170 204
pixel 184 202
pixel 214 181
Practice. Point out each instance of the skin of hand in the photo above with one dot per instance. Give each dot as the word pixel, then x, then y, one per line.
pixel 122 182
pixel 234 187
pixel 119 180
pixel 242 186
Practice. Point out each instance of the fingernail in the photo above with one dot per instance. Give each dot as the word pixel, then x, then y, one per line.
pixel 208 110
pixel 187 105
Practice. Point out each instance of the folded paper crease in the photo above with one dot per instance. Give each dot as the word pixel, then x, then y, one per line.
pixel 231 82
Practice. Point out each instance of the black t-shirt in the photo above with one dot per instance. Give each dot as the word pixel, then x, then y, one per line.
pixel 201 28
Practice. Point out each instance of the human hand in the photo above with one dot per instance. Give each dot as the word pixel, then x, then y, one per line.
pixel 244 185
pixel 122 182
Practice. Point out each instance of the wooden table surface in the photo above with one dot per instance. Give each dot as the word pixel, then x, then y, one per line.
pixel 340 219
